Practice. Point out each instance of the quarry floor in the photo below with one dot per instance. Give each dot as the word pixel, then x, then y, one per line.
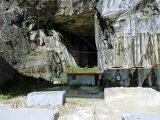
pixel 88 103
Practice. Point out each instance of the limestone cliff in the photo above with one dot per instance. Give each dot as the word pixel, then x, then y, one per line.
pixel 134 33
pixel 32 34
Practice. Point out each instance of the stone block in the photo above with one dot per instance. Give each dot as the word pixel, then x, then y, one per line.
pixel 27 114
pixel 141 117
pixel 51 98
pixel 132 98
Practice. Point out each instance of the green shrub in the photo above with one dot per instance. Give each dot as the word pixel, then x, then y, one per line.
pixel 79 69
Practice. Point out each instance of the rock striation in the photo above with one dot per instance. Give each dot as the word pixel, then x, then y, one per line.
pixel 127 36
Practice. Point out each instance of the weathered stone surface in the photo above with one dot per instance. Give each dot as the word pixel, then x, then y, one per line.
pixel 22 32
pixel 132 99
pixel 127 36
pixel 50 54
pixel 141 117
pixel 76 6
pixel 27 114
pixel 39 64
pixel 62 14
pixel 52 98
pixel 13 45
pixel 62 55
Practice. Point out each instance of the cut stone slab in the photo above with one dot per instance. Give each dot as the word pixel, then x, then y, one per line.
pixel 141 117
pixel 27 114
pixel 51 98
pixel 132 99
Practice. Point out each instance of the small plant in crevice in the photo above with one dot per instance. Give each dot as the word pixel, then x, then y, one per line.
pixel 8 41
pixel 30 54
pixel 26 29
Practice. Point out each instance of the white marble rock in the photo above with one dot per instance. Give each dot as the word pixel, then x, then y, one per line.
pixel 51 98
pixel 27 114
pixel 141 117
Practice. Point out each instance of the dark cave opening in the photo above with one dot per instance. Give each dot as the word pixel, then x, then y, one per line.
pixel 83 49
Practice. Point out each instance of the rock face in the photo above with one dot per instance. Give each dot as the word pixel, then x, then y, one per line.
pixel 127 36
pixel 29 39
pixel 38 37
pixel 50 54
pixel 13 43
pixel 133 33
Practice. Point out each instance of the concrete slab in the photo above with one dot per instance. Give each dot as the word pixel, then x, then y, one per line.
pixel 51 98
pixel 141 117
pixel 27 114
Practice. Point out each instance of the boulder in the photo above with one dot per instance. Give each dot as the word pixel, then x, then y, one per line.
pixel 39 64
pixel 52 54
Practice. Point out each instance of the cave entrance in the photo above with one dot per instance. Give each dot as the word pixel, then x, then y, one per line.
pixel 83 49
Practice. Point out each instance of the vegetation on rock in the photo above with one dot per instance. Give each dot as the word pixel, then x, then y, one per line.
pixel 79 69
